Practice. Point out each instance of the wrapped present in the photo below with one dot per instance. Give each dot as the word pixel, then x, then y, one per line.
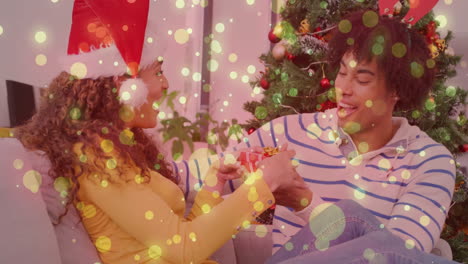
pixel 250 160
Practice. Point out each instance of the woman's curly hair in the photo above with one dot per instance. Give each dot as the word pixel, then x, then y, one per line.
pixel 86 111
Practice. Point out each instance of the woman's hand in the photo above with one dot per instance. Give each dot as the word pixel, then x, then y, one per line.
pixel 278 170
pixel 220 172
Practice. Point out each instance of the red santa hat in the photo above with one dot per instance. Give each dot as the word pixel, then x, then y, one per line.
pixel 107 38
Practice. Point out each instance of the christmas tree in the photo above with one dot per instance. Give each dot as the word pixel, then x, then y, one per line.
pixel 297 79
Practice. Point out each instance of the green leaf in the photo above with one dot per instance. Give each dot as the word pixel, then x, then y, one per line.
pixel 177 148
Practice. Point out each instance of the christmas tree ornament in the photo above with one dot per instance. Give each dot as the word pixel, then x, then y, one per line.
pixel 325 83
pixel 264 83
pixel 279 51
pixel 318 36
pixel 304 28
pixel 290 56
pixel 272 37
pixel 251 130
pixel 464 148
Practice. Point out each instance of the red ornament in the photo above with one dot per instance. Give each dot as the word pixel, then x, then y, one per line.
pixel 264 83
pixel 318 36
pixel 272 37
pixel 290 56
pixel 325 83
pixel 464 148
pixel 327 105
pixel 251 130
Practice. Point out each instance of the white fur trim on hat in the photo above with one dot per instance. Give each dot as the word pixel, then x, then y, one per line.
pixel 133 92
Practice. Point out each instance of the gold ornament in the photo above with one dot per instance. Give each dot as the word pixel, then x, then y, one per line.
pixel 440 43
pixel 434 51
pixel 437 46
pixel 305 27
pixel 270 151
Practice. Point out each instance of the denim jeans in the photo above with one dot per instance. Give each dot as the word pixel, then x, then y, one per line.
pixel 346 232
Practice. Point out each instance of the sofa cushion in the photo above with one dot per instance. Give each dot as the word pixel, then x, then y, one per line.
pixel 74 243
pixel 27 235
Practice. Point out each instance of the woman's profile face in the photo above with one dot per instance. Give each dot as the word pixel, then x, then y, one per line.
pixel 146 115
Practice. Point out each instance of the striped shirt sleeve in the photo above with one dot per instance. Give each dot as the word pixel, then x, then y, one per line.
pixel 418 216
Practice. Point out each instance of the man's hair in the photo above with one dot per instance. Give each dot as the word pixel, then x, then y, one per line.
pixel 401 53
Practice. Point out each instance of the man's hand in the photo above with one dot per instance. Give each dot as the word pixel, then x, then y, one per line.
pixel 296 195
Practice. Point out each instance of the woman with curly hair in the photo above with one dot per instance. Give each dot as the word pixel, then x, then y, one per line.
pixel 128 196
pixel 91 130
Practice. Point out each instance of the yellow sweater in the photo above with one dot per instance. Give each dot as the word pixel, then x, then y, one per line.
pixel 134 222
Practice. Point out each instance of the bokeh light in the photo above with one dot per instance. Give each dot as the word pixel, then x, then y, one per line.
pixel 196 76
pixel 320 217
pixel 442 20
pixel 204 3
pixel 370 19
pixel 417 70
pixel 399 50
pixel 232 57
pixel 451 91
pixel 409 244
pixel 180 3
pixel 245 79
pixel 219 27
pixel 32 180
pixel 250 2
pixel 212 65
pixel 181 36
pixel 251 69
pixel 261 230
pixel 384 164
pixel 405 174
pixel 41 59
pixel 424 220
pixel 88 211
pixel 154 252
pixel 377 49
pixel 359 194
pixel 369 254
pixel 345 26
pixel 207 88
pixel 185 71
pixel 233 75
pixel 40 37
pixel 182 100
pixel 363 147
pixel 1 30
pixel 216 47
pixel 79 70
pixel 149 215
pixel 18 164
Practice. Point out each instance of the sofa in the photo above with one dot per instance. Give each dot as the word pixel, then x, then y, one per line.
pixel 31 203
